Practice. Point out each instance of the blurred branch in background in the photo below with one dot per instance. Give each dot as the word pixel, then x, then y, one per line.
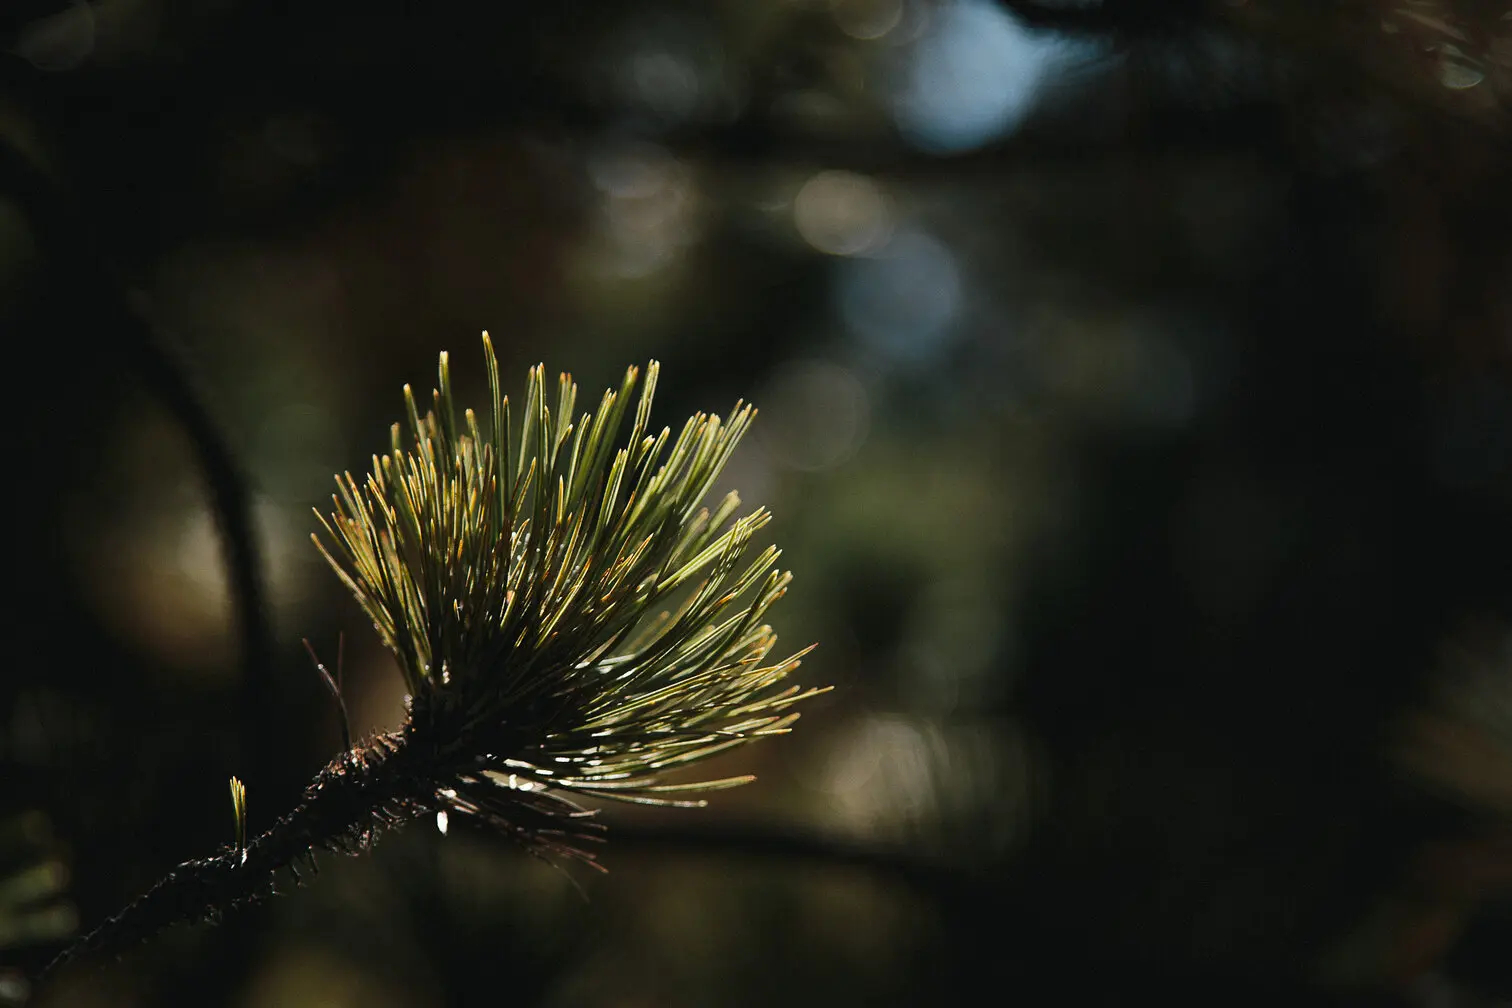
pixel 121 326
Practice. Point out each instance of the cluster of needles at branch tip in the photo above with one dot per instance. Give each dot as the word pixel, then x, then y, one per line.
pixel 569 618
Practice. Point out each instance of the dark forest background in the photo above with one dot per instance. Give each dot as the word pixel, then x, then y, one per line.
pixel 1136 388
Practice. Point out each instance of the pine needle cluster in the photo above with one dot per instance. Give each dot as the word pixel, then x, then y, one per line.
pixel 569 618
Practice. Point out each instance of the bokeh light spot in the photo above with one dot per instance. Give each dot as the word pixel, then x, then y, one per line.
pixel 902 302
pixel 815 415
pixel 842 213
pixel 868 19
pixel 650 208
pixel 972 79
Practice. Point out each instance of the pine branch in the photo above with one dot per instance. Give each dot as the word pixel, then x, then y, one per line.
pixel 519 580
